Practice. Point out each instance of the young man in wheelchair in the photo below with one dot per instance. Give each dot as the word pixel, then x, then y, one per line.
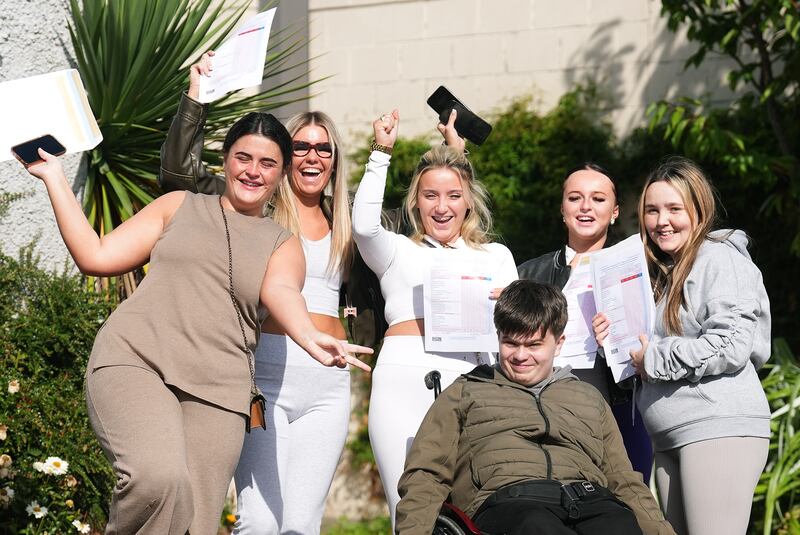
pixel 523 447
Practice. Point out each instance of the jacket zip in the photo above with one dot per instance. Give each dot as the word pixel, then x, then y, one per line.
pixel 546 433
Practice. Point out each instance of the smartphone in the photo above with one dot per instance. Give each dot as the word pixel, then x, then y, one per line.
pixel 468 124
pixel 28 153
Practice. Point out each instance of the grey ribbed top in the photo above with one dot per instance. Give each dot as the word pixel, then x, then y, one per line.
pixel 180 322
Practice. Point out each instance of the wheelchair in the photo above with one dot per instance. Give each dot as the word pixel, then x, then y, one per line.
pixel 451 519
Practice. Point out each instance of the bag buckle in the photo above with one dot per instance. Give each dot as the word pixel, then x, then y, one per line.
pixel 571 494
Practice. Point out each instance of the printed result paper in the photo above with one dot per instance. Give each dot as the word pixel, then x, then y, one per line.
pixel 239 61
pixel 458 311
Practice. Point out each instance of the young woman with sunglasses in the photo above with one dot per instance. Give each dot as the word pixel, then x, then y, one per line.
pixel 284 475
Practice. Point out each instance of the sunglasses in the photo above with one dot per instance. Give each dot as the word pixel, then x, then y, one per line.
pixel 301 148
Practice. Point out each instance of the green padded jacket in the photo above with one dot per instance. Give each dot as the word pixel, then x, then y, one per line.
pixel 485 432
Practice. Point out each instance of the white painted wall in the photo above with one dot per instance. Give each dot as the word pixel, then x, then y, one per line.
pixel 394 53
pixel 383 54
pixel 33 40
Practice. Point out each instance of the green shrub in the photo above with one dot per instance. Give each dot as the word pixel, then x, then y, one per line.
pixel 47 325
pixel 374 526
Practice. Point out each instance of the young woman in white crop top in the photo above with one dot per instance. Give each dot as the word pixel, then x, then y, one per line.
pixel 283 476
pixel 447 208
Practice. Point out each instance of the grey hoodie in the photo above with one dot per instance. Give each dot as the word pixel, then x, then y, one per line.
pixel 704 384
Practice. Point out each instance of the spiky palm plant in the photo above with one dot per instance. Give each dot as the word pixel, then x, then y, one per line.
pixel 133 56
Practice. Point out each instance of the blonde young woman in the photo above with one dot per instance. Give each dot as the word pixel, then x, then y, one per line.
pixel 168 383
pixel 284 475
pixel 701 400
pixel 447 208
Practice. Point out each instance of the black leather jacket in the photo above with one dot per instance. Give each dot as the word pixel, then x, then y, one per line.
pixel 181 165
pixel 551 268
pixel 182 168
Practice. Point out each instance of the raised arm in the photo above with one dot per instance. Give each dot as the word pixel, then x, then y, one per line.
pixel 450 134
pixel 125 248
pixel 280 293
pixel 182 166
pixel 376 244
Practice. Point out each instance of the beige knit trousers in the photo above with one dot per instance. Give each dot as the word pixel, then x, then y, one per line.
pixel 173 454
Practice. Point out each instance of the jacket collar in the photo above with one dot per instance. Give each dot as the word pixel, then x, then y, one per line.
pixel 493 374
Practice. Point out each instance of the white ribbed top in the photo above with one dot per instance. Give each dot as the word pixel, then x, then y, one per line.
pixel 321 289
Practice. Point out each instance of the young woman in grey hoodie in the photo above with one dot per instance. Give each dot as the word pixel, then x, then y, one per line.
pixel 701 399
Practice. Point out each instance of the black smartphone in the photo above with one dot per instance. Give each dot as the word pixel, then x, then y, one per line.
pixel 28 153
pixel 468 124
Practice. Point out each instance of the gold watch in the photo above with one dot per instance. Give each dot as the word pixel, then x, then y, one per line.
pixel 381 148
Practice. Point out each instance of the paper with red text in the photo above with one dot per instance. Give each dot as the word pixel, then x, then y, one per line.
pixel 239 61
pixel 459 316
pixel 622 291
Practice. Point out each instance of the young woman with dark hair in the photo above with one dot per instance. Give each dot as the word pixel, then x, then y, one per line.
pixel 169 382
pixel 283 476
pixel 589 209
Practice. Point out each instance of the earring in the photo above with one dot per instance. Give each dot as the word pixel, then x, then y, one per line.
pixel 612 220
pixel 563 219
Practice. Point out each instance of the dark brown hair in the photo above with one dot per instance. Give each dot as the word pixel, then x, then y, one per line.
pixel 261 124
pixel 526 308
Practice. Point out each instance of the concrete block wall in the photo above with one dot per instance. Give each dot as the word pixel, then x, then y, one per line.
pixel 33 40
pixel 394 53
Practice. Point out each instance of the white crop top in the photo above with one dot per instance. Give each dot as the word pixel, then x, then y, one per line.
pixel 321 289
pixel 399 262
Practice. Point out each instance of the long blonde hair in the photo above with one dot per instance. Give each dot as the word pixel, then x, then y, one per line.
pixel 698 197
pixel 477 225
pixel 285 212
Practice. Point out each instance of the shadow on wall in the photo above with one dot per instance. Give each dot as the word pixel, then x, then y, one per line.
pixel 655 73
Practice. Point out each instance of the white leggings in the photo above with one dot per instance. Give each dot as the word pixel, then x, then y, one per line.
pixel 399 400
pixel 706 488
pixel 285 471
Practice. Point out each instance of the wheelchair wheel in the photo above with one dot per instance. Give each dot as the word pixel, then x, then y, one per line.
pixel 447 526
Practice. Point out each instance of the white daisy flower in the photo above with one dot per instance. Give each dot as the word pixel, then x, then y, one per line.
pixel 55 466
pixel 81 527
pixel 39 467
pixel 3 431
pixel 13 386
pixel 5 460
pixel 36 510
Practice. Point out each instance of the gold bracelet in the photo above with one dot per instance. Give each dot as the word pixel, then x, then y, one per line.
pixel 381 148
